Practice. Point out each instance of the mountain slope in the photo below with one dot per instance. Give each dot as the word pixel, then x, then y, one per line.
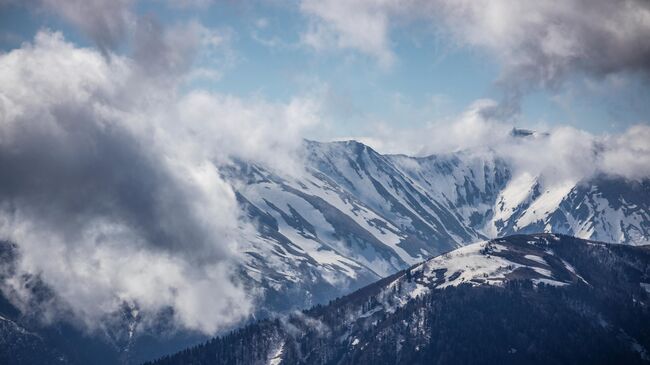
pixel 354 215
pixel 520 299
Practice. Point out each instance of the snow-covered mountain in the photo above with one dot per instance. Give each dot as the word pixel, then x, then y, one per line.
pixel 533 299
pixel 356 215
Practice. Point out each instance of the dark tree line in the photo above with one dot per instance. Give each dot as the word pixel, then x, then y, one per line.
pixel 604 319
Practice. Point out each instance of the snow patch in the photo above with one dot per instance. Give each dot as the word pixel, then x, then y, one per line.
pixel 537 259
pixel 549 282
pixel 276 356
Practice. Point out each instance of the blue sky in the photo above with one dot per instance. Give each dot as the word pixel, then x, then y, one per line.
pixel 433 75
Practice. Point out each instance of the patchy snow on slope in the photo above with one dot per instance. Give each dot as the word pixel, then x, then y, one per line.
pixel 469 264
pixel 515 193
pixel 276 356
pixel 355 215
pixel 536 259
pixel 366 219
pixel 574 272
pixel 547 202
pixel 549 282
pixel 482 263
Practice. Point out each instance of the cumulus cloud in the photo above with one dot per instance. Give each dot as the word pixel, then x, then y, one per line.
pixel 539 43
pixel 249 130
pixel 111 189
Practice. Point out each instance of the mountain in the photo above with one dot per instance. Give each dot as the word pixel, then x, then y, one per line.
pixel 354 215
pixel 351 216
pixel 540 298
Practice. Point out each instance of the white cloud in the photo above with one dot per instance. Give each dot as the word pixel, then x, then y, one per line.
pixel 470 130
pixel 250 130
pixel 361 25
pixel 539 43
pixel 561 154
pixel 111 190
pixel 628 154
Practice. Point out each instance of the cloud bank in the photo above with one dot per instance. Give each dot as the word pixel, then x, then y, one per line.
pixel 111 188
pixel 560 154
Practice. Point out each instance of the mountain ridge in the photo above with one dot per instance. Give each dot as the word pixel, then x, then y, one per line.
pixel 593 308
pixel 356 215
